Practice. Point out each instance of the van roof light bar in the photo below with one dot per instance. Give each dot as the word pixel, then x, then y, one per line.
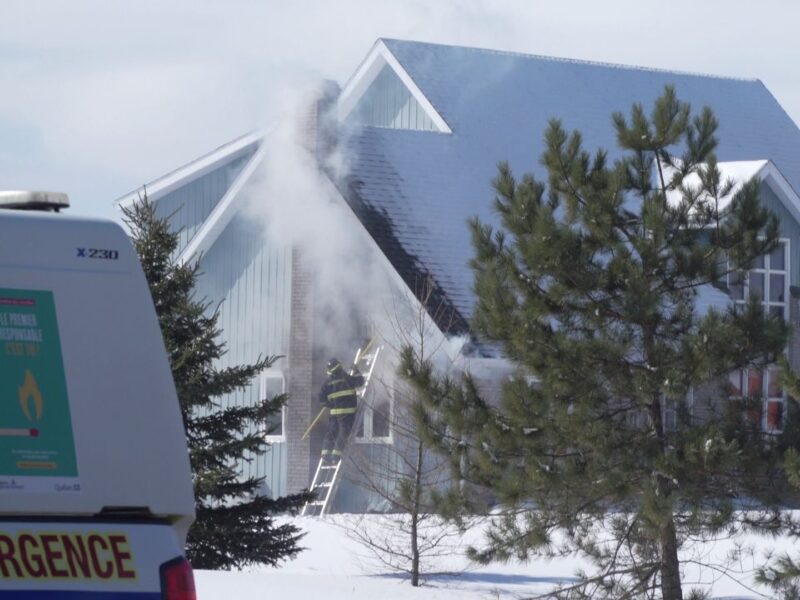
pixel 27 200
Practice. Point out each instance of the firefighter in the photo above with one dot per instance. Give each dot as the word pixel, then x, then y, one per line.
pixel 339 395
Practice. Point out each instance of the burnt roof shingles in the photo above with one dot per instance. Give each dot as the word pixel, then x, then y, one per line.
pixel 425 185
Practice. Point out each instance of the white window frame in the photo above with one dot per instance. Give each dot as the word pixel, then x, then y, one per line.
pixel 766 270
pixel 367 413
pixel 262 395
pixel 744 378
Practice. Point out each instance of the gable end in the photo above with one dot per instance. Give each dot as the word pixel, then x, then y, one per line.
pixel 382 94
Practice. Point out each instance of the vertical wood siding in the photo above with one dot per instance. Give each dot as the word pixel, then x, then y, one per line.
pixel 251 277
pixel 388 103
pixel 788 227
pixel 189 205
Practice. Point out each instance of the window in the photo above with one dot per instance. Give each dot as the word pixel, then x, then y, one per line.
pixel 768 279
pixel 673 409
pixel 273 384
pixel 376 419
pixel 766 384
pixel 382 417
pixel 637 418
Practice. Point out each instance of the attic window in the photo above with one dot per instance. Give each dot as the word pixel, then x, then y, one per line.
pixel 387 102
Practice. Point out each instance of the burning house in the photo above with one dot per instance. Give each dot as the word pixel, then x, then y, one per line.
pixel 316 242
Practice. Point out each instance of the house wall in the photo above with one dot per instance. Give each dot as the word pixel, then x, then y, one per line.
pixel 190 204
pixel 789 229
pixel 374 470
pixel 251 279
pixel 267 306
pixel 707 399
pixel 389 103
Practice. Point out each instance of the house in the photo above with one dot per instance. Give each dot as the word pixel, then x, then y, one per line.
pixel 415 135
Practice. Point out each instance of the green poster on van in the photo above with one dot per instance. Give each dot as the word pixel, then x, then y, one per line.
pixel 37 449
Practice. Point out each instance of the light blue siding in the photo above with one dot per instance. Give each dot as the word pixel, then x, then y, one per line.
pixel 388 103
pixel 251 279
pixel 374 481
pixel 788 227
pixel 189 205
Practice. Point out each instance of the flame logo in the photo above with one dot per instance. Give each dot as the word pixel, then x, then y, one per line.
pixel 30 391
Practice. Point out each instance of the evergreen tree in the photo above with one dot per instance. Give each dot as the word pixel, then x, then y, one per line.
pixel 234 526
pixel 590 284
pixel 782 573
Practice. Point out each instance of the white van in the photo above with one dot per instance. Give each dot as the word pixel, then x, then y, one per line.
pixel 95 486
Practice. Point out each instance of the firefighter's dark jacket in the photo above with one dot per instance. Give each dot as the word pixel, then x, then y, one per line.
pixel 338 393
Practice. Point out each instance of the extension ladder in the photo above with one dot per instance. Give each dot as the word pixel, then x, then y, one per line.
pixel 326 477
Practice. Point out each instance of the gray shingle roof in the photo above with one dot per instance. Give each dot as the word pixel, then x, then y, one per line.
pixel 416 190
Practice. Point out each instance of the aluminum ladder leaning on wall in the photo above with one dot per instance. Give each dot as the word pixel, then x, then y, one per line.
pixel 326 477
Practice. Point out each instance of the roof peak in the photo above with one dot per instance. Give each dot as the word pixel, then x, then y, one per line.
pixel 577 61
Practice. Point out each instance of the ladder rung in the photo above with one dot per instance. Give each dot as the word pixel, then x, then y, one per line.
pixel 369 360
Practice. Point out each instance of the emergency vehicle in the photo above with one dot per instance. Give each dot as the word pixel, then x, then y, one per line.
pixel 95 485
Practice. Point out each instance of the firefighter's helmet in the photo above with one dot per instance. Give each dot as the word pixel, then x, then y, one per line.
pixel 333 366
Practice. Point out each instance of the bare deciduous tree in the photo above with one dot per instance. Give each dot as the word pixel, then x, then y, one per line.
pixel 405 476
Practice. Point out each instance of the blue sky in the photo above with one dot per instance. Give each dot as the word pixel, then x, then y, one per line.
pixel 100 96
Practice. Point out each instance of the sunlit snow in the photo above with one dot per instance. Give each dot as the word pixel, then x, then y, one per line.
pixel 335 566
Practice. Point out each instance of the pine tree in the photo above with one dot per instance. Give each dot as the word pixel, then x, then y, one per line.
pixel 782 573
pixel 590 285
pixel 234 526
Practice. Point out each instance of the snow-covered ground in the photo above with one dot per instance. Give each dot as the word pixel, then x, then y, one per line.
pixel 335 566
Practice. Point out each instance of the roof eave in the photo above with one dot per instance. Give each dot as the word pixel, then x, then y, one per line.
pixel 193 170
pixel 772 175
pixel 223 212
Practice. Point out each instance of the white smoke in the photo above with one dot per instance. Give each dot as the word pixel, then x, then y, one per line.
pixel 294 197
pixel 300 207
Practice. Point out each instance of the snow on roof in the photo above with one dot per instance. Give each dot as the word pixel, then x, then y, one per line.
pixel 415 190
pixel 737 172
pixel 709 297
